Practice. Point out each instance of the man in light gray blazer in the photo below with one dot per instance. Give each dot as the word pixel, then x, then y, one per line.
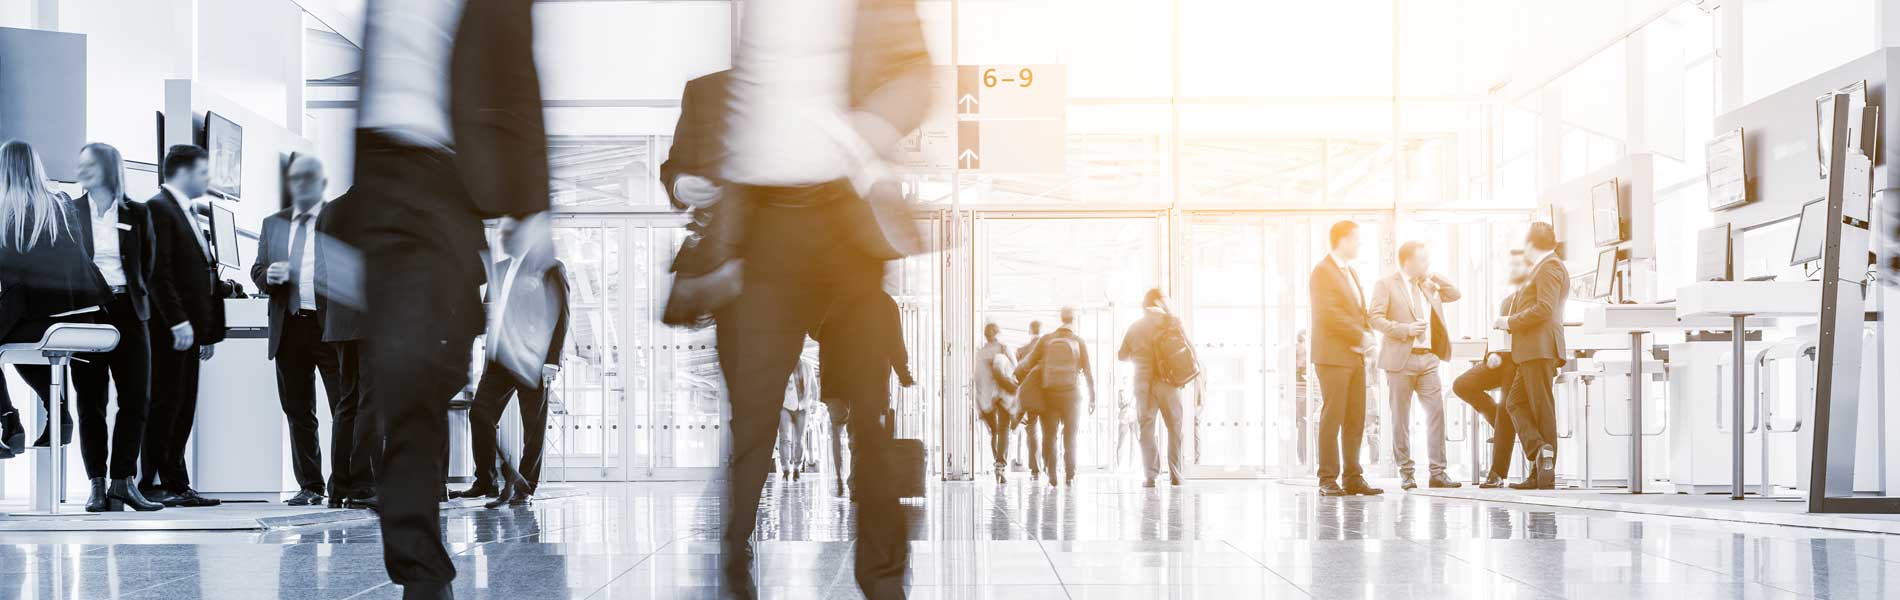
pixel 1408 312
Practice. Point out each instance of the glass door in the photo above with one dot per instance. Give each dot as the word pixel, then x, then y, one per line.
pixel 1235 292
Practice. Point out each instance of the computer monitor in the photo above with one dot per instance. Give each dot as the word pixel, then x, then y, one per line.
pixel 224 234
pixel 1810 237
pixel 1715 258
pixel 1606 272
pixel 1606 213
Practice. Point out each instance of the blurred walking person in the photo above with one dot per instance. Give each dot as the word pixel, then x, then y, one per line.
pixel 1032 411
pixel 1062 361
pixel 995 395
pixel 1149 344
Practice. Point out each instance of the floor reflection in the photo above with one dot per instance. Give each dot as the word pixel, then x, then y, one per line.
pixel 1103 538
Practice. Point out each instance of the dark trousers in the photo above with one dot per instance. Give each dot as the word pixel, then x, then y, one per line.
pixel 801 270
pixel 1032 443
pixel 421 243
pixel 129 366
pixel 1532 406
pixel 356 448
pixel 1474 387
pixel 1061 413
pixel 300 352
pixel 999 422
pixel 1342 420
pixel 491 398
pixel 174 408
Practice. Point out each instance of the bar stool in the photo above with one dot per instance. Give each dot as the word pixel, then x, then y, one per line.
pixel 56 349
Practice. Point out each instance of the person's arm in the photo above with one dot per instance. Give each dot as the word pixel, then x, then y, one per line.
pixel 171 304
pixel 1127 351
pixel 1545 300
pixel 900 356
pixel 259 266
pixel 1446 291
pixel 1381 304
pixel 1029 363
pixel 1083 351
pixel 557 281
pixel 149 241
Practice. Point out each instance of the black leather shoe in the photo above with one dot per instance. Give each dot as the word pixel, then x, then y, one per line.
pixel 124 493
pixel 305 498
pixel 1440 481
pixel 479 490
pixel 162 497
pixel 1492 482
pixel 1407 483
pixel 1357 485
pixel 97 501
pixel 190 499
pixel 1174 481
pixel 513 493
pixel 369 502
pixel 11 433
pixel 1331 489
pixel 333 503
pixel 428 591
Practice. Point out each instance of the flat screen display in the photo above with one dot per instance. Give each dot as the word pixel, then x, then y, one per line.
pixel 224 233
pixel 1810 237
pixel 1606 273
pixel 1606 213
pixel 224 139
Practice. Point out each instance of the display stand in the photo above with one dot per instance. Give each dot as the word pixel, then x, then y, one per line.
pixel 1638 320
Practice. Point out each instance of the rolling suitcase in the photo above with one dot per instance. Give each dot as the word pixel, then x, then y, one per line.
pixel 907 466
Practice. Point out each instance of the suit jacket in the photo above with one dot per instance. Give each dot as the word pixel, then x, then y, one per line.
pixel 185 282
pixel 51 278
pixel 340 320
pixel 136 244
pixel 1393 315
pixel 1505 308
pixel 273 246
pixel 699 137
pixel 1340 321
pixel 1537 322
pixel 501 142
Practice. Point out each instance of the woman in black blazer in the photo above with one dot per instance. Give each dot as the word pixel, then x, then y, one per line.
pixel 45 275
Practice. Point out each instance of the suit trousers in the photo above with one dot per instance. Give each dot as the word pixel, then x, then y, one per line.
pixel 492 393
pixel 801 270
pixel 421 242
pixel 173 410
pixel 1157 399
pixel 1032 443
pixel 1532 405
pixel 999 422
pixel 1061 413
pixel 1342 420
pixel 128 365
pixel 1474 386
pixel 1419 377
pixel 302 353
pixel 356 438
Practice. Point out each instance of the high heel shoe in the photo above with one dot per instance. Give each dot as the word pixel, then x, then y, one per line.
pixel 125 493
pixel 97 502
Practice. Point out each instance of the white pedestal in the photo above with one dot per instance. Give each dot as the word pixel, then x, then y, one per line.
pixel 241 443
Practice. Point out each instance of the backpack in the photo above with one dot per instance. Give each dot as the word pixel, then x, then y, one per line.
pixel 1175 362
pixel 1061 363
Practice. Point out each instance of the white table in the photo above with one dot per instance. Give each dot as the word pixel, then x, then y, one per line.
pixel 1739 300
pixel 1636 320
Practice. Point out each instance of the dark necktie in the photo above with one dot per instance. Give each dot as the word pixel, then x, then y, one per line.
pixel 297 239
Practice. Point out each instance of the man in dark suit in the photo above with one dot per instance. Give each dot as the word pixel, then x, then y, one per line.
pixel 352 485
pixel 289 267
pixel 190 301
pixel 434 156
pixel 1537 348
pixel 497 384
pixel 1342 337
pixel 705 274
pixel 1496 373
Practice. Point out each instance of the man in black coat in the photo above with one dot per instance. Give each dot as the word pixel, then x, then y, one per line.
pixel 1536 325
pixel 190 301
pixel 352 485
pixel 497 384
pixel 1342 336
pixel 449 132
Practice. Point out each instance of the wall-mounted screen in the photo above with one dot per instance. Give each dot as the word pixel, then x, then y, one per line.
pixel 1810 237
pixel 1606 214
pixel 43 96
pixel 224 139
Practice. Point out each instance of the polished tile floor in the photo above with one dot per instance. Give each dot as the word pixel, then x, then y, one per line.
pixel 1104 538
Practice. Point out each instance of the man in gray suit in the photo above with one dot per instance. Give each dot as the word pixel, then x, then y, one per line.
pixel 1408 312
pixel 1536 325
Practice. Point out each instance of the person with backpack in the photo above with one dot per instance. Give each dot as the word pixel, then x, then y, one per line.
pixel 1063 360
pixel 1164 363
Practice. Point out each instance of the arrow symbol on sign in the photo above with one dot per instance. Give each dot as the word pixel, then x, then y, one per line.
pixel 967 103
pixel 968 158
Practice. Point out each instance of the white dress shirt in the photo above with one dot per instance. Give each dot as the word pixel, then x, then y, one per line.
pixel 307 276
pixel 790 94
pixel 105 243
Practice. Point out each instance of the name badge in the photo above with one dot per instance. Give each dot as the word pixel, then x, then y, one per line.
pixel 123 227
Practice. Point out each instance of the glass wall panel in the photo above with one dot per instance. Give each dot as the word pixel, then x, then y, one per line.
pixel 610 50
pixel 605 173
pixel 1253 48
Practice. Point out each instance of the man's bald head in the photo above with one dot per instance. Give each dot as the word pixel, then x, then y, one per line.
pixel 306 181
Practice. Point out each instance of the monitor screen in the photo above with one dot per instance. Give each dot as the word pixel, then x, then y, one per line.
pixel 1606 273
pixel 1811 235
pixel 1714 254
pixel 224 140
pixel 224 233
pixel 1606 213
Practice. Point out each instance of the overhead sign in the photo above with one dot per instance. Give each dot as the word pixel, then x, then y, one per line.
pixel 1012 118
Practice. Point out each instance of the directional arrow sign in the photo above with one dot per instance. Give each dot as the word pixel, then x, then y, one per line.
pixel 968 159
pixel 967 104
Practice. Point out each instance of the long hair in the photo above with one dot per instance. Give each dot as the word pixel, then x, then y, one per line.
pixel 28 210
pixel 111 169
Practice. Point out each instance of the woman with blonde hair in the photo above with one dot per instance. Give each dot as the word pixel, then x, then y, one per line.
pixel 45 275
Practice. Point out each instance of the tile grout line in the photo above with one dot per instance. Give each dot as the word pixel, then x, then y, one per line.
pixel 1264 567
pixel 1037 537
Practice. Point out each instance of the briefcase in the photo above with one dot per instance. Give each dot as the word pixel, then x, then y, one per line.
pixel 1029 392
pixel 907 467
